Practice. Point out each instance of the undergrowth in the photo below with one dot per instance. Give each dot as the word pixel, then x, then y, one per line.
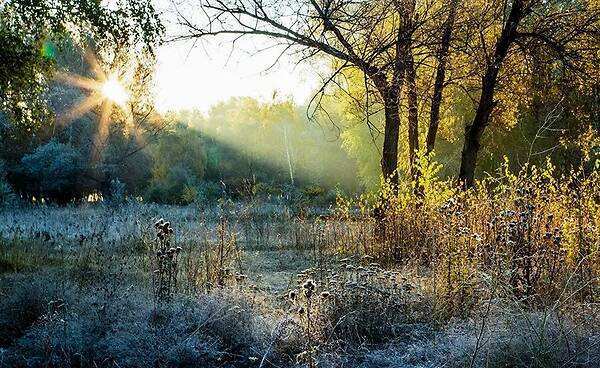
pixel 504 275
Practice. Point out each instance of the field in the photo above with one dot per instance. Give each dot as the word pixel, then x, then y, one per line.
pixel 258 284
pixel 299 184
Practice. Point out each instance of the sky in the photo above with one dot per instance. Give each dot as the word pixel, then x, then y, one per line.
pixel 197 77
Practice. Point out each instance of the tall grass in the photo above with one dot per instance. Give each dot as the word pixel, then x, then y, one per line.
pixel 504 275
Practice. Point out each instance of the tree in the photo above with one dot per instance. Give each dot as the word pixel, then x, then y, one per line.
pixel 568 30
pixel 34 38
pixel 440 75
pixel 375 37
pixel 28 28
pixel 179 165
pixel 54 171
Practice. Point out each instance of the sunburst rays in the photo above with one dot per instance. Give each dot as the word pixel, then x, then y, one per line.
pixel 105 90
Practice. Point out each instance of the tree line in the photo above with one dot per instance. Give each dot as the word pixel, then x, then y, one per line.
pixel 407 54
pixel 462 83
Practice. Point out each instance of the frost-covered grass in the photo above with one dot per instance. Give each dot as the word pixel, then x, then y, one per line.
pixel 254 224
pixel 77 289
pixel 50 319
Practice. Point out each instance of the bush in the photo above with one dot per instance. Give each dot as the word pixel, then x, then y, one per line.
pixel 208 192
pixel 54 171
pixel 7 195
pixel 117 194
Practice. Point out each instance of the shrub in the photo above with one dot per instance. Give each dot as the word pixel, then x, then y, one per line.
pixel 117 193
pixel 53 171
pixel 535 234
pixel 7 195
pixel 208 192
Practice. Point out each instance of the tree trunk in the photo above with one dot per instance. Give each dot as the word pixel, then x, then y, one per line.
pixel 474 131
pixel 440 78
pixel 413 117
pixel 389 93
pixel 389 156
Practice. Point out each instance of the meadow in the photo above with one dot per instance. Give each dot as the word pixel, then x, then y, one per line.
pixel 300 183
pixel 502 276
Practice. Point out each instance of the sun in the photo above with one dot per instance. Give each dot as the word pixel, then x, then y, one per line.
pixel 113 90
pixel 105 91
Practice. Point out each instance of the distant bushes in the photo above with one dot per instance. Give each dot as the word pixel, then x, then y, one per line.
pixel 54 170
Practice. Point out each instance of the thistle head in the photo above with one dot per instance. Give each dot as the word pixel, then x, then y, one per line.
pixel 292 295
pixel 309 287
pixel 159 223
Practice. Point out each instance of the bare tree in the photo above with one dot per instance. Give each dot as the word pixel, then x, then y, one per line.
pixel 373 36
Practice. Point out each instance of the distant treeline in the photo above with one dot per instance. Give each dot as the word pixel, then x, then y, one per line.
pixel 238 149
pixel 244 147
pixel 241 147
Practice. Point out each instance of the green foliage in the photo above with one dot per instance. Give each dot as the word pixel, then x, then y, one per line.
pixel 179 166
pixel 28 54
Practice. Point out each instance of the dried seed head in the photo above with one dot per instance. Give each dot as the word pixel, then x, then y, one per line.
pixel 159 223
pixel 309 288
pixel 309 285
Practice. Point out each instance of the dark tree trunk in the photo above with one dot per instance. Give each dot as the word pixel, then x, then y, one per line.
pixel 413 117
pixel 474 131
pixel 389 92
pixel 389 156
pixel 440 78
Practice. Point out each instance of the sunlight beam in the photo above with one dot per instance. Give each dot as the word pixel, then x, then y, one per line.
pixel 80 109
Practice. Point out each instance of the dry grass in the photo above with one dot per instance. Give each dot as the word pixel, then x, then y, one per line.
pixel 503 276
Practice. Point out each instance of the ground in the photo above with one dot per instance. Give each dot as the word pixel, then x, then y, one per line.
pixel 254 285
